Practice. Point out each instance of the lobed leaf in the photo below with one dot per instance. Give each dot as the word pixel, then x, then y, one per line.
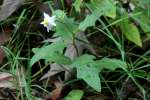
pixel 83 60
pixel 87 71
pixel 66 27
pixel 52 52
pixel 111 64
pixel 99 8
pixel 90 75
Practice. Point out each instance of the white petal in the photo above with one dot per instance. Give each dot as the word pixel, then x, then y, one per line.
pixel 54 24
pixel 46 15
pixel 51 21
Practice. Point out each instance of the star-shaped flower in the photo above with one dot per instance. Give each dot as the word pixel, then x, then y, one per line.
pixel 48 22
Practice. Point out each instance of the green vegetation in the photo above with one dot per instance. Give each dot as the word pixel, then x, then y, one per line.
pixel 75 49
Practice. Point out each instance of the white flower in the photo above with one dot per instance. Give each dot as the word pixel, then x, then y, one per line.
pixel 48 22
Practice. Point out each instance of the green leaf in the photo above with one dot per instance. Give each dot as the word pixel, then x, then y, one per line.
pixel 99 8
pixel 52 52
pixel 130 30
pixel 87 71
pixel 143 20
pixel 111 64
pixel 90 75
pixel 60 15
pixel 112 12
pixel 132 33
pixel 83 60
pixel 77 5
pixel 90 20
pixel 66 27
pixel 74 95
pixel 60 58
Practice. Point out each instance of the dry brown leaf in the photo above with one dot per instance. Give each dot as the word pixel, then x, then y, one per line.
pixel 2 55
pixel 5 76
pixel 6 80
pixel 3 38
pixel 55 68
pixel 55 94
pixel 8 7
